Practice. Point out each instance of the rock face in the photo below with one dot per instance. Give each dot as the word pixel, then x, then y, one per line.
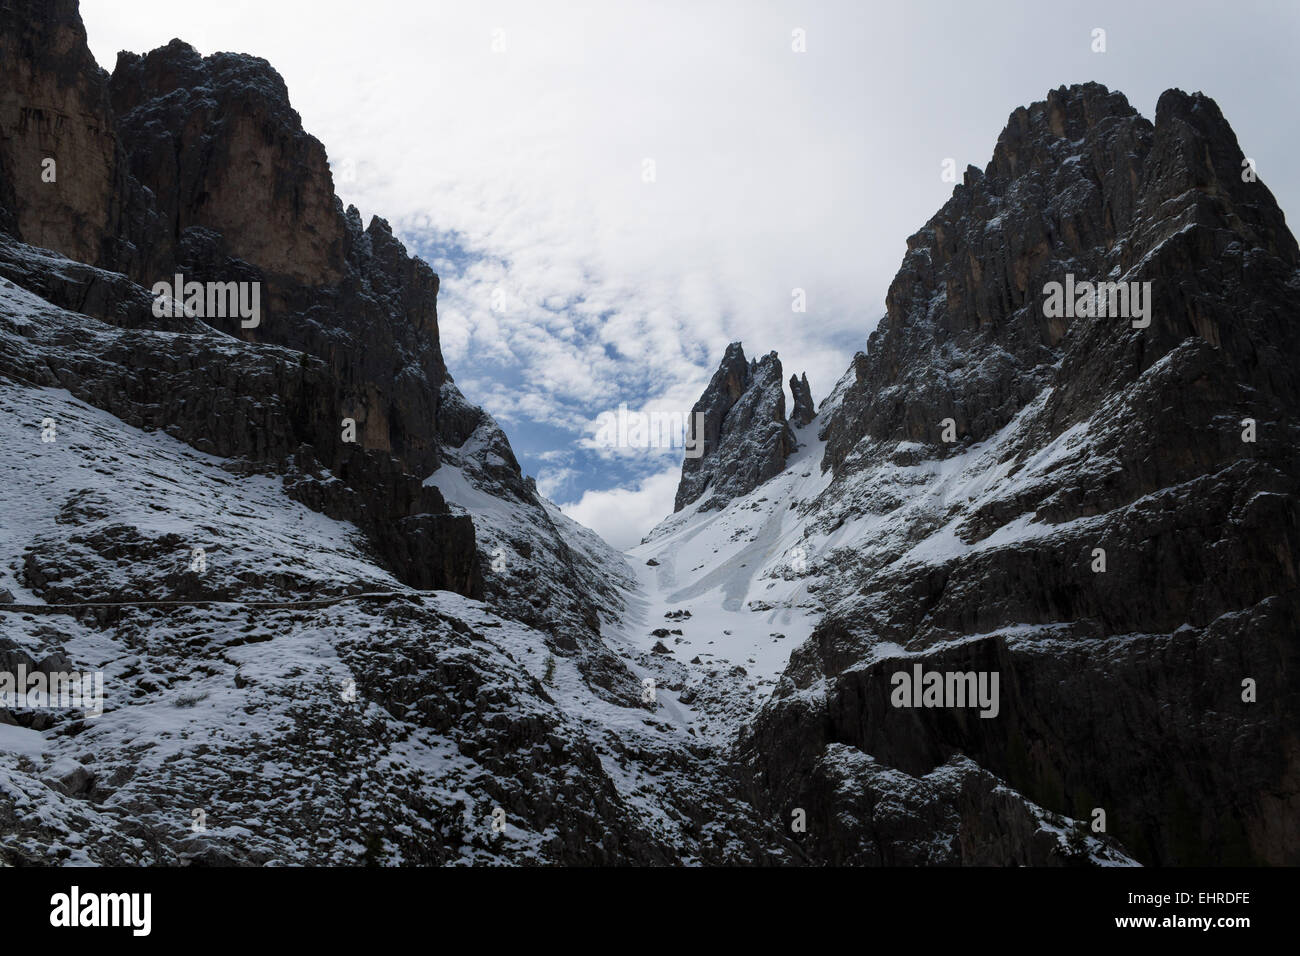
pixel 54 105
pixel 1079 184
pixel 218 144
pixel 1109 520
pixel 746 439
pixel 199 166
pixel 804 410
pixel 242 191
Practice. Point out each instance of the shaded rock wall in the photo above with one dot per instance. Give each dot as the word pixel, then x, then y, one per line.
pixel 1122 689
pixel 745 435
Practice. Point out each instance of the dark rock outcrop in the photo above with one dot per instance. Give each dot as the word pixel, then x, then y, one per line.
pixel 245 193
pixel 1115 548
pixel 54 105
pixel 804 410
pixel 746 439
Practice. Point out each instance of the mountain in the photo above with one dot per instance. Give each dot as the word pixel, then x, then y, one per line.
pixel 392 650
pixel 743 431
pixel 335 623
pixel 1102 510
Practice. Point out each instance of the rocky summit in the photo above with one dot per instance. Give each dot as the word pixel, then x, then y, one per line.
pixel 745 438
pixel 1022 590
pixel 1101 510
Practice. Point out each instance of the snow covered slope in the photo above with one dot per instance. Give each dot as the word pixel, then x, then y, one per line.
pixel 725 595
pixel 365 731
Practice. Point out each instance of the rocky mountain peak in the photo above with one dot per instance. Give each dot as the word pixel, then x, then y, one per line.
pixel 217 142
pixel 804 411
pixel 745 435
pixel 1079 500
pixel 1069 113
pixel 1079 185
pixel 140 77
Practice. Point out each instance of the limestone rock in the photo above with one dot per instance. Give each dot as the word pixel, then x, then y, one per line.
pixel 804 411
pixel 745 435
pixel 1098 533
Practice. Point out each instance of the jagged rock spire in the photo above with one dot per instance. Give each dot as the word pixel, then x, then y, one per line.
pixel 745 436
pixel 804 410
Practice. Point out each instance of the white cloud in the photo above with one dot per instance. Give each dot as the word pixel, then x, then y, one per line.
pixel 533 158
pixel 552 480
pixel 775 170
pixel 622 516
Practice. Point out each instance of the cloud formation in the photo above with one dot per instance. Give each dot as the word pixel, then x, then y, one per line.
pixel 622 516
pixel 613 192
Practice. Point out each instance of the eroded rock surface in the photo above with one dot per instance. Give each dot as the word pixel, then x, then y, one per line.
pixel 746 439
pixel 1099 531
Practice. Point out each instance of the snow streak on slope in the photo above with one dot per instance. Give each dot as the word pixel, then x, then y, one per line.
pixel 163 501
pixel 546 568
pixel 758 576
pixel 723 598
pixel 355 733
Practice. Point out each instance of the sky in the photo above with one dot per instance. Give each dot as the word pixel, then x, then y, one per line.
pixel 613 191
